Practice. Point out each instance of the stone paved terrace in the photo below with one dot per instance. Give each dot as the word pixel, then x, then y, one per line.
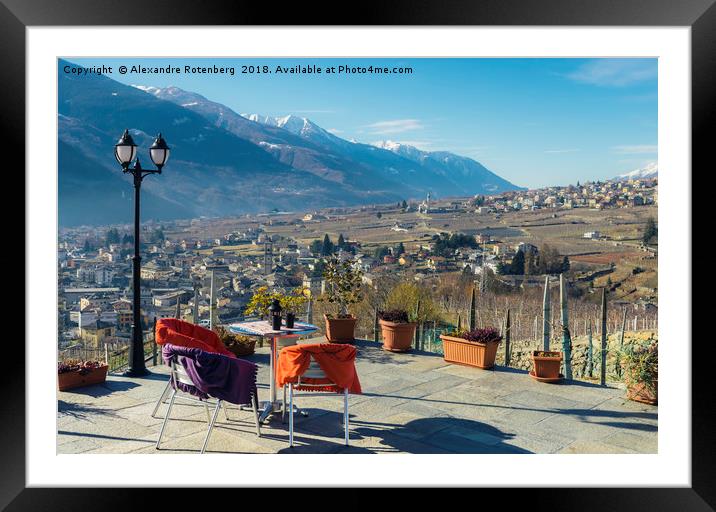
pixel 414 403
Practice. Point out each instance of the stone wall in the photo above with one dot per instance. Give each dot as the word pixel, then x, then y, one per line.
pixel 521 351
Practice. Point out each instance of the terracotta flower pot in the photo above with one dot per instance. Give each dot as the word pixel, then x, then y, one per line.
pixel 397 337
pixel 641 392
pixel 469 353
pixel 75 379
pixel 546 364
pixel 340 330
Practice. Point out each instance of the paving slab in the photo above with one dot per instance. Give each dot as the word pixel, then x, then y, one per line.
pixel 412 403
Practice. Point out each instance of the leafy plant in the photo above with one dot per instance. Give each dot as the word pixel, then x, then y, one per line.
pixel 641 364
pixel 293 301
pixel 260 302
pixel 406 296
pixel 399 316
pixel 546 353
pixel 486 335
pixel 343 285
pixel 76 365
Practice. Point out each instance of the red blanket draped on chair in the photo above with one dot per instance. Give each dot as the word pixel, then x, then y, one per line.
pixel 336 360
pixel 185 334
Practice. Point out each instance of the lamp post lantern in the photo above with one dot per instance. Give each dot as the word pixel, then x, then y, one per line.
pixel 125 151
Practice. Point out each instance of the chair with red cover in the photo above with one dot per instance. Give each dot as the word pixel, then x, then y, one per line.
pixel 185 334
pixel 320 369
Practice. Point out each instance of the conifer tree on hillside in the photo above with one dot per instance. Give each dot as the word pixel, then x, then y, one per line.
pixel 650 231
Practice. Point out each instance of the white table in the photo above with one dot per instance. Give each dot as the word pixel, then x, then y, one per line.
pixel 264 329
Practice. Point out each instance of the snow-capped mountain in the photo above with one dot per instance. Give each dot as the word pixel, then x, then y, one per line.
pixel 405 150
pixel 225 164
pixel 300 126
pixel 453 168
pixel 651 170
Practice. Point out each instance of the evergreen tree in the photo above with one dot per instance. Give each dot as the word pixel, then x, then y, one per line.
pixel 650 231
pixel 328 247
pixel 381 251
pixel 112 237
pixel 316 247
pixel 379 215
pixel 341 242
pixel 565 264
pixel 87 246
pixel 517 267
pixel 404 204
pixel 400 250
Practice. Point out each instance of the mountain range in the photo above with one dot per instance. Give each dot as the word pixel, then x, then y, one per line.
pixel 224 163
pixel 651 170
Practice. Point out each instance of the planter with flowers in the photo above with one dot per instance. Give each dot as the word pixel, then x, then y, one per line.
pixel 641 372
pixel 343 285
pixel 74 374
pixel 476 348
pixel 239 344
pixel 397 329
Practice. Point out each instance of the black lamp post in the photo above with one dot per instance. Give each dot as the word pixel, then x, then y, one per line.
pixel 125 151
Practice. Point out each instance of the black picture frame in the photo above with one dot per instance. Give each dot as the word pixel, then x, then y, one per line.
pixel 700 15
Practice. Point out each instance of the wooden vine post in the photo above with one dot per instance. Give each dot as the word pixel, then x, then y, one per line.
pixel 603 379
pixel 508 329
pixel 566 336
pixel 590 360
pixel 472 310
pixel 375 325
pixel 546 315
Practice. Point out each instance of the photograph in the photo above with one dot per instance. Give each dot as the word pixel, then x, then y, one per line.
pixel 358 255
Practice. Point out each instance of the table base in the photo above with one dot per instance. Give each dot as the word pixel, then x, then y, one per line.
pixel 266 409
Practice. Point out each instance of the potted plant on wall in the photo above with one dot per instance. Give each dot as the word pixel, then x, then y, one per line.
pixel 397 329
pixel 343 285
pixel 74 373
pixel 292 303
pixel 476 348
pixel 641 372
pixel 546 365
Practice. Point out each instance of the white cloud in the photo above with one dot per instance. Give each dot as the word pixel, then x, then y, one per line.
pixel 334 131
pixel 638 149
pixel 615 72
pixel 571 150
pixel 395 126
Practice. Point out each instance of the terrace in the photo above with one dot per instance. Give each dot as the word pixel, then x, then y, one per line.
pixel 411 403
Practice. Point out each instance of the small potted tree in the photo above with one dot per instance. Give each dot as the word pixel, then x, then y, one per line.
pixel 476 348
pixel 75 373
pixel 343 285
pixel 291 303
pixel 641 372
pixel 397 329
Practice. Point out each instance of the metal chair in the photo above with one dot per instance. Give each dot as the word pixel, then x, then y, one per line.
pixel 316 374
pixel 179 375
pixel 184 333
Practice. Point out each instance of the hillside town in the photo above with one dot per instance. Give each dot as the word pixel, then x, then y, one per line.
pixel 187 275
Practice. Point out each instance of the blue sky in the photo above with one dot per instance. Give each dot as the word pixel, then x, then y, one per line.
pixel 535 122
